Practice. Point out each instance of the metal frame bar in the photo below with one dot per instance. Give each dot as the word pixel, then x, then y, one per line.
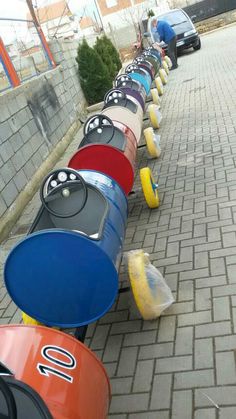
pixel 8 66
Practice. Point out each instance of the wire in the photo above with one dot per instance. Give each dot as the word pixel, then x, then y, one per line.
pixel 66 6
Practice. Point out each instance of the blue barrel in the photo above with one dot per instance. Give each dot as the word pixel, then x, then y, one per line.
pixel 140 75
pixel 142 80
pixel 63 276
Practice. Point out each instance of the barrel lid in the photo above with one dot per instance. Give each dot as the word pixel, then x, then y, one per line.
pixel 105 159
pixel 61 278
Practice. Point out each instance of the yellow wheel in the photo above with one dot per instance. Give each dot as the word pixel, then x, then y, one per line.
pixel 168 61
pixel 139 284
pixel 155 97
pixel 152 142
pixel 163 76
pixel 159 85
pixel 154 115
pixel 29 320
pixel 149 188
pixel 165 66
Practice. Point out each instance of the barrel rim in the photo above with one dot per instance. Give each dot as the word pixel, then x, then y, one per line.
pixel 24 306
pixel 72 338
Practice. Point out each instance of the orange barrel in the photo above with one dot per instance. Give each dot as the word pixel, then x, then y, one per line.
pixel 126 117
pixel 70 379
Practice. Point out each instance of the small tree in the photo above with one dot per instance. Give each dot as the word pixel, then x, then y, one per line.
pixel 103 52
pixel 150 13
pixel 112 52
pixel 93 74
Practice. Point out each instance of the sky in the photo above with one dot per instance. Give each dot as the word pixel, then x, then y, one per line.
pixel 18 9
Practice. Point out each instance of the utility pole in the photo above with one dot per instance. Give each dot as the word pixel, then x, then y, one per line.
pixel 46 48
pixel 99 13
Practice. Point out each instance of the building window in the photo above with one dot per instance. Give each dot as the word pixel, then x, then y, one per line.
pixel 111 3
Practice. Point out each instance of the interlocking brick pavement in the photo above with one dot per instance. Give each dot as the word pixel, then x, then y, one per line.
pixel 181 366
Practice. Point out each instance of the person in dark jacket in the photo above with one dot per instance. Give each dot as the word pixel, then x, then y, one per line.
pixel 167 34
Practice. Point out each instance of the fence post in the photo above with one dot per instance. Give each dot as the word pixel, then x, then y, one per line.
pixel 46 48
pixel 8 66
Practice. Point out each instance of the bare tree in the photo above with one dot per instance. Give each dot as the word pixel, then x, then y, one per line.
pixel 134 14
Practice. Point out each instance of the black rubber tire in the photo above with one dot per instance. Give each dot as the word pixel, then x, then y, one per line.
pixel 198 46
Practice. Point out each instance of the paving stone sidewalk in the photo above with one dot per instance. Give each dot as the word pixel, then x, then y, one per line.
pixel 181 366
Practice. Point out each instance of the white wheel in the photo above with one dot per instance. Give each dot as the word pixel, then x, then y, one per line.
pixel 154 115
pixel 168 61
pixel 155 97
pixel 159 85
pixel 163 76
pixel 152 142
pixel 165 66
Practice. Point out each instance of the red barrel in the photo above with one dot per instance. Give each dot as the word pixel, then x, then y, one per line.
pixel 65 373
pixel 108 160
pixel 108 147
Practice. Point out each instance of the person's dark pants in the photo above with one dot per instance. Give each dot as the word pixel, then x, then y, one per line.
pixel 172 52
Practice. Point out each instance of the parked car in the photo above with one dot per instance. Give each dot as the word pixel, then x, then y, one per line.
pixel 187 35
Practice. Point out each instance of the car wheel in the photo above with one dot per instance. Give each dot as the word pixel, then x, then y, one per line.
pixel 198 46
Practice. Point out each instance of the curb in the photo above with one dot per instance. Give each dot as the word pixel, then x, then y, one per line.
pixel 13 213
pixel 218 29
pixel 95 107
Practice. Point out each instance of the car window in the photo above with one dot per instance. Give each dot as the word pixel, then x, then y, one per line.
pixel 174 18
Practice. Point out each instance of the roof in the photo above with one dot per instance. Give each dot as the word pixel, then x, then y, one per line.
pixel 52 11
pixel 86 22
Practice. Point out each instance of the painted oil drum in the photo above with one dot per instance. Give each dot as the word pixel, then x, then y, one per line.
pixel 124 80
pixel 99 129
pixel 154 54
pixel 135 94
pixel 133 99
pixel 122 152
pixel 116 97
pixel 108 160
pixel 65 272
pixel 124 116
pixel 142 63
pixel 157 54
pixel 142 79
pixel 140 75
pixel 53 374
pixel 154 61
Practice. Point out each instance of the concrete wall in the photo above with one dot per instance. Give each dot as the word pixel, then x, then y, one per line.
pixel 34 117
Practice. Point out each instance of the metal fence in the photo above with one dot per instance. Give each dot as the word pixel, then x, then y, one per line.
pixel 209 8
pixel 24 48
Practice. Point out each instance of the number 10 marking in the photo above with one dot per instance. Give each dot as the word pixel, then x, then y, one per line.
pixel 47 353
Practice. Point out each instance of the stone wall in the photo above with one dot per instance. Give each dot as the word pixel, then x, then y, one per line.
pixel 34 117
